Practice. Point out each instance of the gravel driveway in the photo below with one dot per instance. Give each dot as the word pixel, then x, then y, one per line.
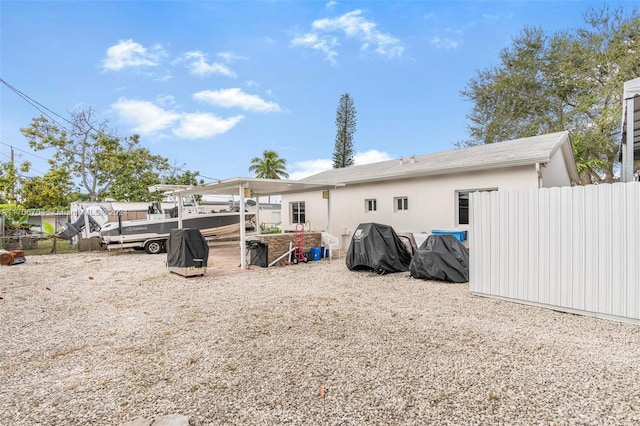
pixel 106 338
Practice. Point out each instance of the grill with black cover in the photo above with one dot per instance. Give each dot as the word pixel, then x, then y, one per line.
pixel 187 252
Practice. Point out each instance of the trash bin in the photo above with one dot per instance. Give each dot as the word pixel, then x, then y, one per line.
pixel 258 253
pixel 187 252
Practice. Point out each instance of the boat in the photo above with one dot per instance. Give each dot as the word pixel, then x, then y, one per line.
pixel 152 232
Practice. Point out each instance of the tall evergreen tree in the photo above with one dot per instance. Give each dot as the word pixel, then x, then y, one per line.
pixel 346 124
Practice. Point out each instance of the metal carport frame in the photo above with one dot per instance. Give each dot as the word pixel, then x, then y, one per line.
pixel 250 187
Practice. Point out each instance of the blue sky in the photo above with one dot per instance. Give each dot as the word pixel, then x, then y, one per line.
pixel 211 85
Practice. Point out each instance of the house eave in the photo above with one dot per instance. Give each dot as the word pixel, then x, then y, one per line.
pixel 447 170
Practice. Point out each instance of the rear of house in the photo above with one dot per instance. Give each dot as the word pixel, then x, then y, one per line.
pixel 428 192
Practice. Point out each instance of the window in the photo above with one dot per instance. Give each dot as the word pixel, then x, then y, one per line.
pixel 370 205
pixel 463 204
pixel 297 212
pixel 401 204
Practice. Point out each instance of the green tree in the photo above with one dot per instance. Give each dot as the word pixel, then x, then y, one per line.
pixel 11 177
pixel 140 170
pixel 270 166
pixel 92 153
pixel 51 191
pixel 346 124
pixel 186 177
pixel 570 80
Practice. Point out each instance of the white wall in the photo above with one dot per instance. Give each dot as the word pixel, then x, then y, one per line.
pixel 316 210
pixel 268 216
pixel 432 201
pixel 555 173
pixel 572 249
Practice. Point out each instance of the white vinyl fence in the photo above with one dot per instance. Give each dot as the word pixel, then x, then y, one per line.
pixel 575 249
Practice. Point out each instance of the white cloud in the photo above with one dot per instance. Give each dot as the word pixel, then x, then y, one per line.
pixel 322 43
pixel 331 4
pixel 353 26
pixel 494 18
pixel 236 98
pixel 197 62
pixel 165 100
pixel 128 53
pixel 231 56
pixel 144 117
pixel 165 77
pixel 371 156
pixel 444 43
pixel 302 169
pixel 148 118
pixel 204 125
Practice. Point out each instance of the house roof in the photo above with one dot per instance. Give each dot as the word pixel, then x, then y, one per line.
pixel 517 152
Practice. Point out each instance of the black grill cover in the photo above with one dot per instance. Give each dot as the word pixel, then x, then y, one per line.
pixel 441 257
pixel 375 246
pixel 187 247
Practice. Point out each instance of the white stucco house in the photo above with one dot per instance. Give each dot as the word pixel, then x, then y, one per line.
pixel 428 192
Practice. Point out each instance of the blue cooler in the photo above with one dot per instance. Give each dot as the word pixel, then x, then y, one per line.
pixel 460 235
pixel 315 253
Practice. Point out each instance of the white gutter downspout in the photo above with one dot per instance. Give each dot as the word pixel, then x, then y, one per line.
pixel 628 148
pixel 329 213
pixel 539 172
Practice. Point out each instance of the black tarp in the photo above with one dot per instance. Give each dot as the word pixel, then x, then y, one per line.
pixel 441 257
pixel 378 247
pixel 187 247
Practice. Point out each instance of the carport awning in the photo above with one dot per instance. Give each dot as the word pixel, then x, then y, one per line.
pixel 248 187
pixel 254 186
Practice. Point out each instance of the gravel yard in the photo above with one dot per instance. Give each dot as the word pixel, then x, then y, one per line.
pixel 106 338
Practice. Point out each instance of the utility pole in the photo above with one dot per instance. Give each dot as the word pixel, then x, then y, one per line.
pixel 13 168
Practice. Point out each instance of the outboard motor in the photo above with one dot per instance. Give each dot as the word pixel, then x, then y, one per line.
pixel 95 215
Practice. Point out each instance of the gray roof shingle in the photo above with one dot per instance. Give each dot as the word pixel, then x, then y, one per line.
pixel 517 152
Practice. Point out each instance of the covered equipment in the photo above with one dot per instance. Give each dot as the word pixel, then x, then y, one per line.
pixel 378 247
pixel 187 252
pixel 441 257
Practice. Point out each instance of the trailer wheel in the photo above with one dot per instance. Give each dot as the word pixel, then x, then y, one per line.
pixel 153 247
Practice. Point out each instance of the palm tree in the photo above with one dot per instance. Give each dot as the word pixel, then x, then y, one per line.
pixel 270 166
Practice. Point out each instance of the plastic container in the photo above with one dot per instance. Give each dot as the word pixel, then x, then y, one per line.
pixel 315 253
pixel 460 235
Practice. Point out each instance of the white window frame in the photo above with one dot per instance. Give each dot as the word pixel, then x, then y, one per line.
pixel 301 212
pixel 370 205
pixel 457 202
pixel 400 204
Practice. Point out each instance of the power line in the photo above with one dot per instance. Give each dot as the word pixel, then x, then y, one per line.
pixel 37 105
pixel 22 150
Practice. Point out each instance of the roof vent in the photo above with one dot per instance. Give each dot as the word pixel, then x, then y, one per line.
pixel 413 159
pixel 401 161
